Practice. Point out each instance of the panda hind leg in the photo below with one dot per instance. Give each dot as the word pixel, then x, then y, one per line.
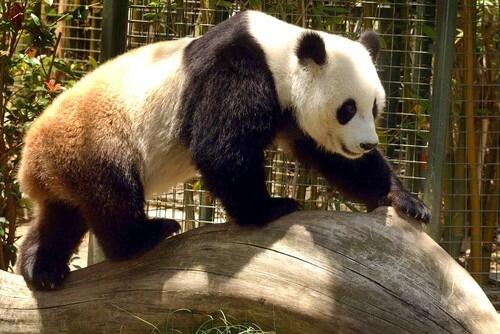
pixel 123 238
pixel 114 212
pixel 56 232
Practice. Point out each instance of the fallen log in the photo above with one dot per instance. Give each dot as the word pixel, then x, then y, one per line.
pixel 309 272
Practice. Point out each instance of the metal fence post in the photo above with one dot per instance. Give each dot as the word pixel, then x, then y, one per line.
pixel 114 28
pixel 446 13
pixel 113 43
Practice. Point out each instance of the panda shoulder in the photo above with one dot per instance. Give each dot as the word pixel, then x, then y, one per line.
pixel 260 24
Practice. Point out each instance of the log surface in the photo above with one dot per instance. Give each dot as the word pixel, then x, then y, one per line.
pixel 309 272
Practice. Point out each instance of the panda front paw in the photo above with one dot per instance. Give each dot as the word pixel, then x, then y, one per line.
pixel 409 205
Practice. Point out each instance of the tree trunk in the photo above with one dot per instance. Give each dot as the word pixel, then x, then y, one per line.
pixel 309 272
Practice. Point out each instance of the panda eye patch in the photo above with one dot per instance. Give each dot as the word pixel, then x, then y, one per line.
pixel 346 111
pixel 375 109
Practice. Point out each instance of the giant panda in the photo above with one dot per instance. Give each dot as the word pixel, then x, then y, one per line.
pixel 157 115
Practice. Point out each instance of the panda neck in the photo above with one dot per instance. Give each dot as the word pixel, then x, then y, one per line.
pixel 278 40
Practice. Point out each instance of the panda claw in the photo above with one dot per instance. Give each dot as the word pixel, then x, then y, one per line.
pixel 410 206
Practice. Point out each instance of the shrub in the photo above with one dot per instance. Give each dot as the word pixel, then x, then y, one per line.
pixel 31 76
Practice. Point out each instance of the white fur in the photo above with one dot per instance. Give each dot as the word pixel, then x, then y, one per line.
pixel 150 89
pixel 166 160
pixel 317 91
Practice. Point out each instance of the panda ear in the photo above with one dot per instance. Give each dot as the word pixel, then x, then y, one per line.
pixel 371 42
pixel 311 47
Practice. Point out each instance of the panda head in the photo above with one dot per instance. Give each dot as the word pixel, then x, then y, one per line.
pixel 336 92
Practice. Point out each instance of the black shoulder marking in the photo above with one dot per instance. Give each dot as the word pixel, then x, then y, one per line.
pixel 229 113
pixel 371 42
pixel 225 69
pixel 311 46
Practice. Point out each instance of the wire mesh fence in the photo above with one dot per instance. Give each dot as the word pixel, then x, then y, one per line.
pixel 457 210
pixel 407 30
pixel 80 37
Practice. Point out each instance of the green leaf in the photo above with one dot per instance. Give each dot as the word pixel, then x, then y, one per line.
pixel 224 4
pixel 63 68
pixel 3 222
pixel 36 20
pixel 81 13
pixel 150 16
pixel 254 4
pixel 6 26
pixel 429 31
pixel 93 63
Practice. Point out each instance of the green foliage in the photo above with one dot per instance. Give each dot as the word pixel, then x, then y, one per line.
pixel 224 325
pixel 3 226
pixel 220 324
pixel 156 13
pixel 31 76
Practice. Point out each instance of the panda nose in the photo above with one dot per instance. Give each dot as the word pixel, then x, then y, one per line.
pixel 368 146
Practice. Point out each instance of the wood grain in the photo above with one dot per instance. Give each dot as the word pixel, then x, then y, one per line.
pixel 309 272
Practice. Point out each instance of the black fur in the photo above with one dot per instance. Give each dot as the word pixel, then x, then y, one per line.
pixel 346 111
pixel 311 46
pixel 121 225
pixel 231 113
pixel 49 244
pixel 371 42
pixel 375 110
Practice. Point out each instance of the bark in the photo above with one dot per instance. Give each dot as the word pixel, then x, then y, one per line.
pixel 309 272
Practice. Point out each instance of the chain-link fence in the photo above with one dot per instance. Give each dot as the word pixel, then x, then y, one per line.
pixel 408 37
